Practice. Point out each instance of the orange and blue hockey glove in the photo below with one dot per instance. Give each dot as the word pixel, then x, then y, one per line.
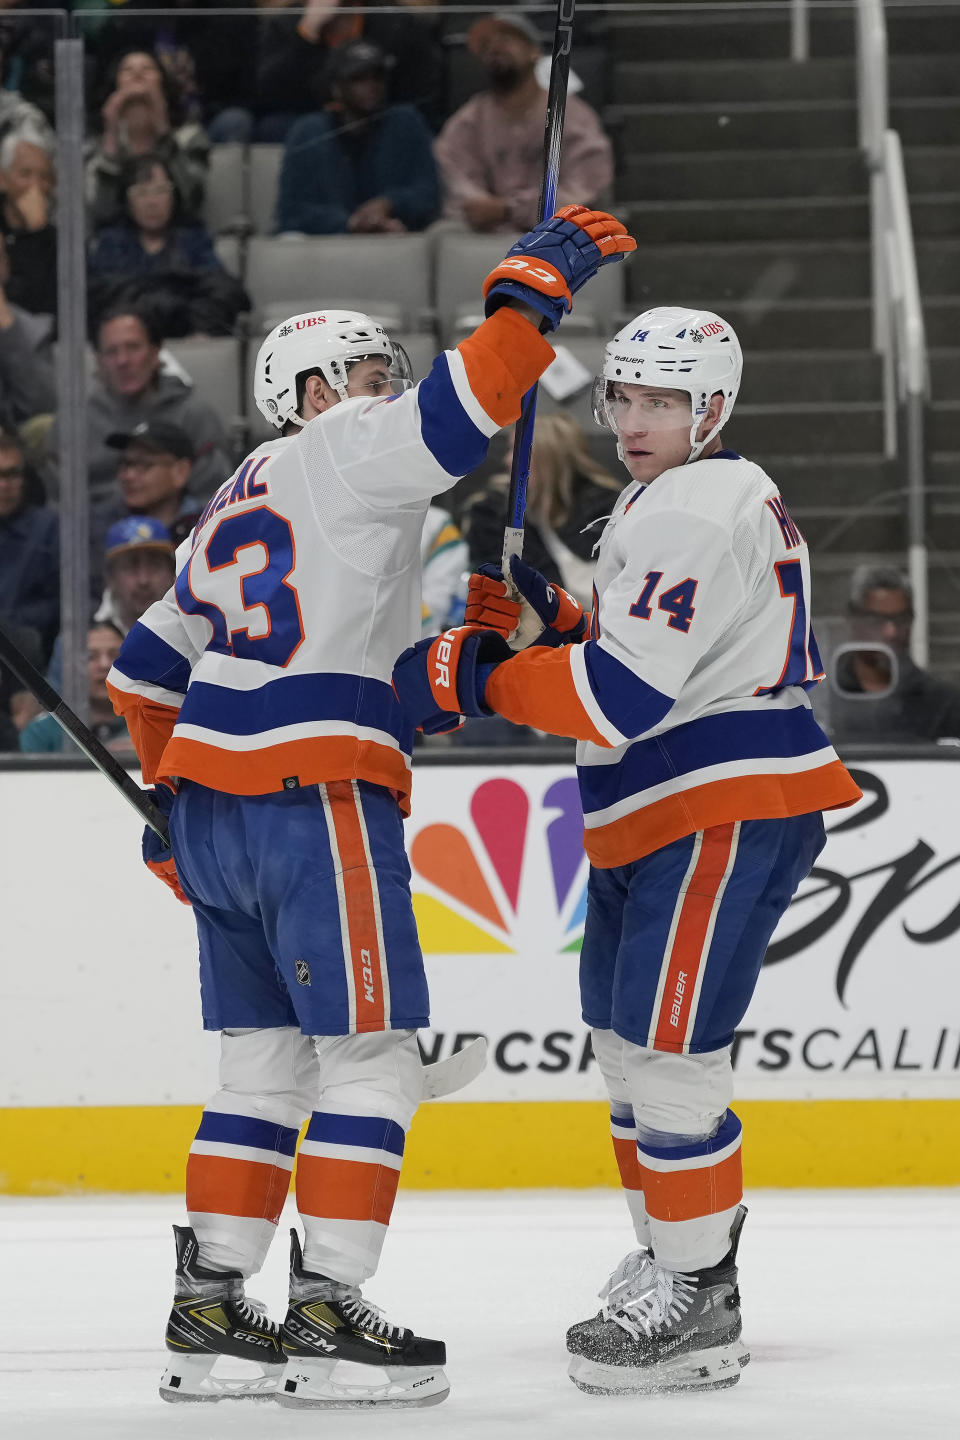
pixel 545 614
pixel 158 857
pixel 552 261
pixel 446 675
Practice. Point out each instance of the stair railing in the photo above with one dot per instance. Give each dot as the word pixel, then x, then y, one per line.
pixel 899 336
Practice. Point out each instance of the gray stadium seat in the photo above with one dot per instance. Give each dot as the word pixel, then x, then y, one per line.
pixel 228 253
pixel 265 161
pixel 384 275
pixel 465 259
pixel 225 200
pixel 214 367
pixel 588 349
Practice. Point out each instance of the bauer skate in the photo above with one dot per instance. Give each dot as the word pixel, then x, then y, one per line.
pixel 661 1330
pixel 342 1353
pixel 211 1317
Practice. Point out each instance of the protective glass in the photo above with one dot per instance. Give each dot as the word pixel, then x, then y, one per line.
pixel 400 369
pixel 633 410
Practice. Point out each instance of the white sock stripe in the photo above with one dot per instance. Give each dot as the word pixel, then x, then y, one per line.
pixel 323 1150
pixel 690 1162
pixel 241 1152
pixel 708 937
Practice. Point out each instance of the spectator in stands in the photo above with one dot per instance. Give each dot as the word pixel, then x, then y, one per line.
pixel 920 706
pixel 568 493
pixel 137 121
pixel 490 151
pixel 293 74
pixel 30 240
pixel 361 165
pixel 151 237
pixel 153 472
pixel 26 366
pixel 29 555
pixel 132 387
pixel 445 561
pixel 44 735
pixel 139 568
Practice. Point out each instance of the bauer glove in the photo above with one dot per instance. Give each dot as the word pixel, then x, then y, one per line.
pixel 159 857
pixel 552 261
pixel 447 675
pixel 544 614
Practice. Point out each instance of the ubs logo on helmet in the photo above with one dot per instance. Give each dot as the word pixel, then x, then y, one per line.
pixel 311 320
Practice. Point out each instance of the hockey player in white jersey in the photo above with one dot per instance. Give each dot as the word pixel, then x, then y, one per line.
pixel 703 775
pixel 258 695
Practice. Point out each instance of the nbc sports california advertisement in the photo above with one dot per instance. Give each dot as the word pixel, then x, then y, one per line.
pixel 859 995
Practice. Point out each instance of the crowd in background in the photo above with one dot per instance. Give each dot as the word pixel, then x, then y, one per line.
pixel 377 140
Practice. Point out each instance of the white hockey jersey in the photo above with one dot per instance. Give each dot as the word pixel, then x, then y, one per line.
pixel 268 663
pixel 689 694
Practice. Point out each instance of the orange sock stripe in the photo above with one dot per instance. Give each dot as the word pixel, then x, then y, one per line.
pixel 345 1189
pixel 628 1163
pixel 536 688
pixel 358 883
pixel 691 1194
pixel 502 358
pixel 218 1186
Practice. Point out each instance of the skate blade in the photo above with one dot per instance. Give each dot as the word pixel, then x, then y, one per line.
pixel 312 1385
pixel 189 1379
pixel 714 1369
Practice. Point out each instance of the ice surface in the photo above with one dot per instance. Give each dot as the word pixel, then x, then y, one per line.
pixel 850 1306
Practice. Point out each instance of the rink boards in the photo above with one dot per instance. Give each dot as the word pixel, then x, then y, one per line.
pixel 847 1063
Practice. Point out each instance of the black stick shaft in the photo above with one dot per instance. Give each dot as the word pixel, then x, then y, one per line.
pixel 552 146
pixel 107 763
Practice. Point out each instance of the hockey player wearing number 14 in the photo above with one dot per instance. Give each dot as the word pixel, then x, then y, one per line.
pixel 703 775
pixel 257 693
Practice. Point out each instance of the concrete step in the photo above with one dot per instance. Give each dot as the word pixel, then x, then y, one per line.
pixel 697 82
pixel 943 426
pixel 753 174
pixel 945 377
pixel 768 273
pixel 830 376
pixel 726 35
pixel 690 81
pixel 798 428
pixel 804 217
pixel 754 125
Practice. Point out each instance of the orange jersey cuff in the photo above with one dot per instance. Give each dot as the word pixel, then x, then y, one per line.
pixel 150 725
pixel 537 688
pixel 503 357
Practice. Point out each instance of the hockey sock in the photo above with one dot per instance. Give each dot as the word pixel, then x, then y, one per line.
pixel 238 1175
pixel 348 1170
pixel 623 1130
pixel 692 1191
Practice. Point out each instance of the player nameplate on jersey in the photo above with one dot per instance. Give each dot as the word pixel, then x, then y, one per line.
pixel 303 972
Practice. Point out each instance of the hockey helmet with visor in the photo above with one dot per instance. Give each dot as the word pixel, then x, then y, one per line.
pixel 331 341
pixel 669 348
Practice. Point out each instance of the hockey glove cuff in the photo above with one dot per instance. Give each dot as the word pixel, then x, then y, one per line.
pixel 447 674
pixel 549 264
pixel 158 857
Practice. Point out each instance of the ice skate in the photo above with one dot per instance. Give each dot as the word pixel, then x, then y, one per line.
pixel 211 1317
pixel 661 1330
pixel 342 1353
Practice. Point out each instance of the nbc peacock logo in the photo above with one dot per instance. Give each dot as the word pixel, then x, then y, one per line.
pixel 511 876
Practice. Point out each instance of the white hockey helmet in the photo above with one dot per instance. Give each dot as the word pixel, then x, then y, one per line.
pixel 691 350
pixel 326 340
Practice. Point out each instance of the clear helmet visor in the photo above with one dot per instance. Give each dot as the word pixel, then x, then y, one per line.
pixel 375 375
pixel 641 409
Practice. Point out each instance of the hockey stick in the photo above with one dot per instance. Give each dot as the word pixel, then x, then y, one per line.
pixel 552 144
pixel 443 1077
pixel 106 763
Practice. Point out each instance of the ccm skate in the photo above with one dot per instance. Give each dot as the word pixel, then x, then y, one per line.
pixel 661 1330
pixel 342 1353
pixel 212 1317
